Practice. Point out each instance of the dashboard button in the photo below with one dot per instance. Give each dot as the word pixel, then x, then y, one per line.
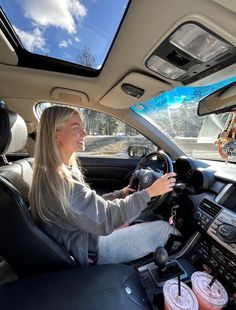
pixel 227 232
pixel 197 215
pixel 222 219
pixel 233 246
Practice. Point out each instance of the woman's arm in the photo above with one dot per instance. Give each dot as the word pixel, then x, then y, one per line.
pixel 122 193
pixel 90 212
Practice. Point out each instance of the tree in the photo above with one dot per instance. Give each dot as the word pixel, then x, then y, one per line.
pixel 111 125
pixel 85 57
pixel 95 123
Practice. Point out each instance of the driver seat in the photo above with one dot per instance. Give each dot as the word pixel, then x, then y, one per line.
pixel 27 249
pixel 30 252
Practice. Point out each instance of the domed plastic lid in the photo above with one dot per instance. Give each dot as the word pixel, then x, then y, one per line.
pixel 215 295
pixel 187 300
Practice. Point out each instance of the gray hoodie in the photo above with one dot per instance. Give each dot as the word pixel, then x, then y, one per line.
pixel 91 215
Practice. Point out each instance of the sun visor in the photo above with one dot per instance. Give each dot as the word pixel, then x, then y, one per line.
pixel 7 53
pixel 133 88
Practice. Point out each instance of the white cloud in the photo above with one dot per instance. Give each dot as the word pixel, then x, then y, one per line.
pixel 76 8
pixel 58 13
pixel 77 39
pixel 32 41
pixel 65 43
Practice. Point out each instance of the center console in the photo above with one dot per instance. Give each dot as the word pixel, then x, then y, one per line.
pixel 214 248
pixel 218 261
pixel 153 278
pixel 217 247
pixel 163 268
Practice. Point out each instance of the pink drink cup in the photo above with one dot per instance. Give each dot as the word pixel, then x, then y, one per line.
pixel 209 298
pixel 187 300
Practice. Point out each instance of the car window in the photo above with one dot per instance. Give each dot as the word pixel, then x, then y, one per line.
pixel 106 135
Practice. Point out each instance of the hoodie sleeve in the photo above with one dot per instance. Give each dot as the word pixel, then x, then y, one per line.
pixel 93 214
pixel 114 195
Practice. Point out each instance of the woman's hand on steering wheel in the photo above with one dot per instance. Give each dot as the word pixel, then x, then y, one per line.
pixel 127 190
pixel 162 185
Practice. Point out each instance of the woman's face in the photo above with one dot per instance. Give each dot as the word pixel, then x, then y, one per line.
pixel 70 137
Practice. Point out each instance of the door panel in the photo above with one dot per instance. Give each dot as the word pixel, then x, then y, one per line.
pixel 107 174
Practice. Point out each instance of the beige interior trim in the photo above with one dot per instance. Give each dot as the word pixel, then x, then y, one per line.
pixel 64 95
pixel 8 54
pixel 146 24
pixel 229 4
pixel 116 97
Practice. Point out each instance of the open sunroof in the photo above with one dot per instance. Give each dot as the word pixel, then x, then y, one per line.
pixel 75 31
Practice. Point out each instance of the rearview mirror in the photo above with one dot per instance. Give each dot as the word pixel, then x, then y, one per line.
pixel 223 100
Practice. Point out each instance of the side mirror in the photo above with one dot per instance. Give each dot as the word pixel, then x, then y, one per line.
pixel 138 151
pixel 223 100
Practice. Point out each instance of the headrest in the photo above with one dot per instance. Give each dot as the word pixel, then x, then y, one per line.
pixel 13 132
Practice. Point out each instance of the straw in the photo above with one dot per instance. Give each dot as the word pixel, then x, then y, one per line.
pixel 179 286
pixel 212 281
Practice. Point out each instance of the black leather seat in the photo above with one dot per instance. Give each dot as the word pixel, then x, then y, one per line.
pixel 102 287
pixel 26 248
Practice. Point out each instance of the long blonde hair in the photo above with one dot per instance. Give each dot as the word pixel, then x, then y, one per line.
pixel 52 181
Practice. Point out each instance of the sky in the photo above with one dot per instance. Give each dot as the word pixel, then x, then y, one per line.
pixel 59 28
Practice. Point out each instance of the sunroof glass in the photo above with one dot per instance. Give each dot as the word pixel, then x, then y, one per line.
pixel 71 30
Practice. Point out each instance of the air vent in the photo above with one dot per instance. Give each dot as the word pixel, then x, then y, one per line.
pixel 210 207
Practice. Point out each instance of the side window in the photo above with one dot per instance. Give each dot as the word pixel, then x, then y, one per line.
pixel 109 137
pixel 106 135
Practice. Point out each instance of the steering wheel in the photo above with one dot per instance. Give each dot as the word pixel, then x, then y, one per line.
pixel 143 178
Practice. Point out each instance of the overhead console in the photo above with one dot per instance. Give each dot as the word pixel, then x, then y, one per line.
pixel 181 57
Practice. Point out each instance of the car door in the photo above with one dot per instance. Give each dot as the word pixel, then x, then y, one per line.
pixel 107 174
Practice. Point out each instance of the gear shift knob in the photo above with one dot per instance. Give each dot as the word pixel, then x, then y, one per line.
pixel 160 257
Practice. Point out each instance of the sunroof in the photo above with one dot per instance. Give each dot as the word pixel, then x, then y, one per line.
pixel 75 31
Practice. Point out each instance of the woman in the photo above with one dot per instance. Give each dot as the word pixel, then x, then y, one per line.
pixel 73 214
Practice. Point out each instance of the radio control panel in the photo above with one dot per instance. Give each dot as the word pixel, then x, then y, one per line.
pixel 219 260
pixel 223 230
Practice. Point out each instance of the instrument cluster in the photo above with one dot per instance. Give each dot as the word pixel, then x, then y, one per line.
pixel 196 175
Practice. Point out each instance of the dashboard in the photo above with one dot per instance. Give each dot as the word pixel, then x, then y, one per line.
pixel 200 176
pixel 212 191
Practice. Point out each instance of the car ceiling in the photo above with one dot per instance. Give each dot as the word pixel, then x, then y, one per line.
pixel 145 26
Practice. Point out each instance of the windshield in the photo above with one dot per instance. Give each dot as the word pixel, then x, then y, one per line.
pixel 175 114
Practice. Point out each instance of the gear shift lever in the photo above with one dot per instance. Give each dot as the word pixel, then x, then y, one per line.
pixel 160 257
pixel 164 270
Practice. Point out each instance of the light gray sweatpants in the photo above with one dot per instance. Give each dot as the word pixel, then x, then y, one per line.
pixel 133 242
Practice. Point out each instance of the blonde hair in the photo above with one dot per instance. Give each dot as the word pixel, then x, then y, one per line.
pixel 52 181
